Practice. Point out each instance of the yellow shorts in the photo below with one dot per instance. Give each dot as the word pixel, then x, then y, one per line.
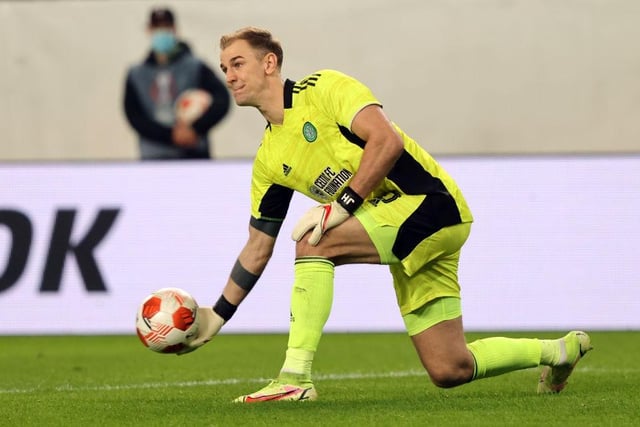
pixel 431 269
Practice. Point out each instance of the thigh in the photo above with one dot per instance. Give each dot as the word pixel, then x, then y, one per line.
pixel 381 218
pixel 366 237
pixel 348 243
pixel 437 334
pixel 442 346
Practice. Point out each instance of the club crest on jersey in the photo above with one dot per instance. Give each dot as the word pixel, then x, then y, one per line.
pixel 309 132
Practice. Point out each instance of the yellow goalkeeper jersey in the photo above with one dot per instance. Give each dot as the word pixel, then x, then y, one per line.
pixel 315 153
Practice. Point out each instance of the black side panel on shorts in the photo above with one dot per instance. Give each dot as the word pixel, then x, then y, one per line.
pixel 434 213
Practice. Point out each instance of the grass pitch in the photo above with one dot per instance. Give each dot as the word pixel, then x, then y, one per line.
pixel 362 380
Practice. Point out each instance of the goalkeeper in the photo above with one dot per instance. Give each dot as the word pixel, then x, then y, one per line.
pixel 382 200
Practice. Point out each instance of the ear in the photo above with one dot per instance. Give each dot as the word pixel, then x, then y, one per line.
pixel 270 63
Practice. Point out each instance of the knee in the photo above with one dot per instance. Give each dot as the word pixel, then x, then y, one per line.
pixel 304 249
pixel 451 373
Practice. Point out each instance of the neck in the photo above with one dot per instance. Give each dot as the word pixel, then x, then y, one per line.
pixel 273 107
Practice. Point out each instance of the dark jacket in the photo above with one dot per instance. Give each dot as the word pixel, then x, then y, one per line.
pixel 150 94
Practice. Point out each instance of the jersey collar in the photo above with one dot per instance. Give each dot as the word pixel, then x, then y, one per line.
pixel 288 93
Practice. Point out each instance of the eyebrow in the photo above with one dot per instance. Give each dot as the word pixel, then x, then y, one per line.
pixel 231 60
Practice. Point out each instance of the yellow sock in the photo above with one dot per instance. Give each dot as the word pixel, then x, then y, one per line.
pixel 553 352
pixel 311 301
pixel 498 355
pixel 297 366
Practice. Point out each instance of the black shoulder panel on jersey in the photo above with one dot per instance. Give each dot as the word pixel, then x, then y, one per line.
pixel 352 137
pixel 412 178
pixel 288 93
pixel 272 228
pixel 407 173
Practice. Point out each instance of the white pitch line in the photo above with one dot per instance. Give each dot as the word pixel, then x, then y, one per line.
pixel 226 381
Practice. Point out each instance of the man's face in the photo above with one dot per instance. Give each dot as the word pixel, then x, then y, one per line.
pixel 161 28
pixel 244 72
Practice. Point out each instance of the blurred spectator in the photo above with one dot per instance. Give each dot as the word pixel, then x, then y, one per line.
pixel 153 86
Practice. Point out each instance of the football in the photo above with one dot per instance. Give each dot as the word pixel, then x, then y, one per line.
pixel 167 320
pixel 191 104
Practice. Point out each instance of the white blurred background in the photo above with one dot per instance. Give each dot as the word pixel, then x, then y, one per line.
pixel 532 106
pixel 460 76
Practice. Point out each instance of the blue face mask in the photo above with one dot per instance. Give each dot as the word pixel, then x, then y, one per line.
pixel 163 41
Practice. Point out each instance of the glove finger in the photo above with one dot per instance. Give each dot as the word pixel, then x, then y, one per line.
pixel 316 235
pixel 306 223
pixel 300 230
pixel 198 342
pixel 194 344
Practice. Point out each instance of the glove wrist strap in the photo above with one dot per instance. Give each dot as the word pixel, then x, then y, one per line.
pixel 350 200
pixel 224 308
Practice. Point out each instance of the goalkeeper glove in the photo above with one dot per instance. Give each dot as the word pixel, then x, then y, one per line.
pixel 324 217
pixel 319 219
pixel 209 324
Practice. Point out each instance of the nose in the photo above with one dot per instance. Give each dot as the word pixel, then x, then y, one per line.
pixel 230 77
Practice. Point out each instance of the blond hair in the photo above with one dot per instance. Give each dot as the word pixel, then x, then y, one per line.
pixel 258 38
